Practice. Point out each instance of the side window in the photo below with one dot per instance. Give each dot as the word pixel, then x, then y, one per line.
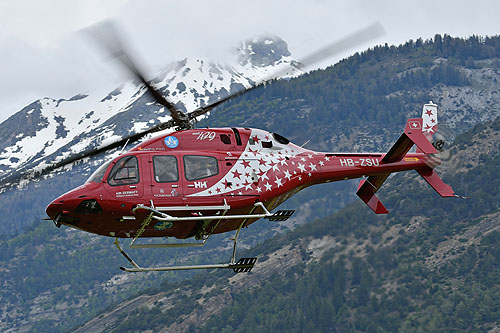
pixel 165 168
pixel 225 139
pixel 124 172
pixel 199 167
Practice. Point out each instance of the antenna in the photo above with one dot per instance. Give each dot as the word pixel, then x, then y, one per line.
pixel 123 148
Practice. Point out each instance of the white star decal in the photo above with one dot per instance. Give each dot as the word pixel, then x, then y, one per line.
pixel 321 163
pixel 287 175
pixel 258 189
pixel 264 176
pixel 278 182
pixel 312 166
pixel 309 174
pixel 302 167
pixel 302 159
pixel 310 156
pixel 268 187
pixel 327 158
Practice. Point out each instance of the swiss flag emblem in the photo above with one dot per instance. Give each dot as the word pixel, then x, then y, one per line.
pixel 415 125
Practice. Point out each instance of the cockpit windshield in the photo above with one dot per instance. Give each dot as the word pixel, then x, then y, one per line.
pixel 98 175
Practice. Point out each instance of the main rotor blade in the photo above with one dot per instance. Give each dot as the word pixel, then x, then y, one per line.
pixel 359 37
pixel 107 36
pixel 33 174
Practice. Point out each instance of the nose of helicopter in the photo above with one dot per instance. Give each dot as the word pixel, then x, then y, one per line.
pixel 54 208
pixel 66 203
pixel 76 206
pixel 58 207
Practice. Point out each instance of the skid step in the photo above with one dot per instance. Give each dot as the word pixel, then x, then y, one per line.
pixel 243 265
pixel 281 215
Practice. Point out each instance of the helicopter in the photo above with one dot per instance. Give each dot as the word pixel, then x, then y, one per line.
pixel 192 183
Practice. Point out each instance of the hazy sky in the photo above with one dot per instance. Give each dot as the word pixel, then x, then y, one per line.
pixel 43 55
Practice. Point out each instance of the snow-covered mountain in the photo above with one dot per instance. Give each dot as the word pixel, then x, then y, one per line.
pixel 51 129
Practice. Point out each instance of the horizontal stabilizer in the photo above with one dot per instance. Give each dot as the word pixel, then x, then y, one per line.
pixel 366 192
pixel 432 178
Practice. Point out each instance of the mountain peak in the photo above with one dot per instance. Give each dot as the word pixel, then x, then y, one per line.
pixel 262 51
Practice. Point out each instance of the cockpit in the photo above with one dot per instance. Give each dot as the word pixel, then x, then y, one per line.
pixel 98 175
pixel 125 171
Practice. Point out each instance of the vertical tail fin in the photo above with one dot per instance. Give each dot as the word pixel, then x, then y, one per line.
pixel 429 128
pixel 429 121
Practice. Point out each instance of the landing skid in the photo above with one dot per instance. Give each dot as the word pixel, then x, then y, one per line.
pixel 243 265
pixel 240 266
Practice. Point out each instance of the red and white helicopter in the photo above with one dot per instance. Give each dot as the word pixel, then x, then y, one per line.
pixel 199 182
pixel 192 183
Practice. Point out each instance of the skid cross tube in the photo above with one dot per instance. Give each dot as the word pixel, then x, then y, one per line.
pixel 167 218
pixel 150 216
pixel 235 239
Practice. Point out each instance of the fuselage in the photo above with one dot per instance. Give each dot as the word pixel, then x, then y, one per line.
pixel 207 172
